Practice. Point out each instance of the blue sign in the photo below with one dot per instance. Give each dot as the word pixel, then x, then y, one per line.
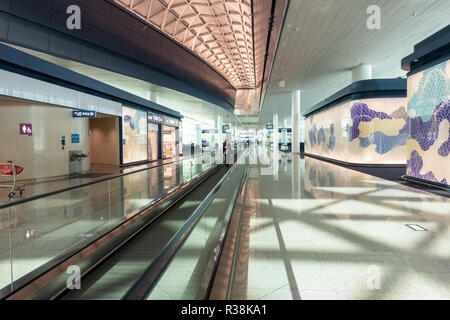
pixel 210 131
pixel 269 126
pixel 225 128
pixel 83 114
pixel 75 138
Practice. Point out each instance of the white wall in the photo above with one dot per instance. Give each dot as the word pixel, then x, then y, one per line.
pixel 18 86
pixel 41 154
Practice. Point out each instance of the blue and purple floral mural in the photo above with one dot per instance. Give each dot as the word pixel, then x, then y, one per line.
pixel 428 144
pixel 367 131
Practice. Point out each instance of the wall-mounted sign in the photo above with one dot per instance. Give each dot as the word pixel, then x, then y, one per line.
pixel 26 129
pixel 171 122
pixel 210 131
pixel 269 126
pixel 75 138
pixel 225 128
pixel 83 114
pixel 154 118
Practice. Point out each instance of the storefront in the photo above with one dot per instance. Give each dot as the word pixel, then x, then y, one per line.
pixel 134 135
pixel 170 137
pixel 148 136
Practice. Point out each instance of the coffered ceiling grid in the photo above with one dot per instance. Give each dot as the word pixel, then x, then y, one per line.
pixel 219 31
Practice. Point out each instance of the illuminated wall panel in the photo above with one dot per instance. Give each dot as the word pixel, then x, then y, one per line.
pixel 367 131
pixel 134 135
pixel 428 144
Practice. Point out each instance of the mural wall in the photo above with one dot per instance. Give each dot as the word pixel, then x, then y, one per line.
pixel 368 131
pixel 428 145
pixel 134 135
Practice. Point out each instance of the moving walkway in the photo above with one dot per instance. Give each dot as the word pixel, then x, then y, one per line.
pixel 166 248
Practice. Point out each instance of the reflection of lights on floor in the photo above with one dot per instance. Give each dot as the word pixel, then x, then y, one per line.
pixel 30 233
pixel 416 227
pixel 435 207
pixel 168 172
pixel 398 193
pixel 347 190
pixel 383 182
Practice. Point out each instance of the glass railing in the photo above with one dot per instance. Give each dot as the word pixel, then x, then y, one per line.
pixel 186 266
pixel 37 234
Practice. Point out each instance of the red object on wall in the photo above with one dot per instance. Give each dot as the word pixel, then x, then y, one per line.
pixel 26 129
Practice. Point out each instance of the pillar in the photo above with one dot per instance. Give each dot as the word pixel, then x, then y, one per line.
pixel 219 150
pixel 275 149
pixel 362 72
pixel 295 106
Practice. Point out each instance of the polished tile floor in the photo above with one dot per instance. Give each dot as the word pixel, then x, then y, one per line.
pixel 314 230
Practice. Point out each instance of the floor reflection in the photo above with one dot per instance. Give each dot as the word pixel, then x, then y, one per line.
pixel 322 231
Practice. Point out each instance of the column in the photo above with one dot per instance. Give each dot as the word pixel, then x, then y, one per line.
pixel 219 149
pixel 198 137
pixel 275 147
pixel 152 96
pixel 295 106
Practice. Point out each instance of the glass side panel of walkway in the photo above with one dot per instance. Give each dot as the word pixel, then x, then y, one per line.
pixel 190 273
pixel 38 232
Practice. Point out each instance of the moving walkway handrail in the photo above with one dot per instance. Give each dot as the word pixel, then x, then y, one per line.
pixel 145 284
pixel 82 185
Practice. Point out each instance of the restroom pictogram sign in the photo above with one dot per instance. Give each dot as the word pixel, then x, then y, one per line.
pixel 26 129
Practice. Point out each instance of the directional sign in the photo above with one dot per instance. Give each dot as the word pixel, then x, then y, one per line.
pixel 75 138
pixel 84 114
pixel 154 118
pixel 26 129
pixel 269 126
pixel 225 128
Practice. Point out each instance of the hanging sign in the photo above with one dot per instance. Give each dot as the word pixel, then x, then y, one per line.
pixel 75 138
pixel 170 122
pixel 83 114
pixel 154 118
pixel 225 128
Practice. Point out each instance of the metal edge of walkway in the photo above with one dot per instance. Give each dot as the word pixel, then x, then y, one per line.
pixel 49 282
pixel 220 286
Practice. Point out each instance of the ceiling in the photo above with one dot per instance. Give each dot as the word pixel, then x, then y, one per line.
pixel 218 31
pixel 322 40
pixel 190 107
